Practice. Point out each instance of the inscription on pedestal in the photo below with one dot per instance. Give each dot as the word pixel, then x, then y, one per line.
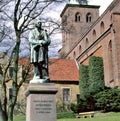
pixel 43 106
pixel 41 102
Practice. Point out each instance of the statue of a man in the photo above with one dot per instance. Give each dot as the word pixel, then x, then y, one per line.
pixel 39 42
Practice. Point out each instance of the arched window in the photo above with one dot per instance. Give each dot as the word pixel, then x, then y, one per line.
pixel 111 18
pixel 94 35
pixel 80 49
pixel 74 54
pixel 88 17
pixel 77 17
pixel 102 27
pixel 110 58
pixel 86 43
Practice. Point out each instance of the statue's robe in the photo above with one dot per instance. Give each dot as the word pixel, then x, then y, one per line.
pixel 39 53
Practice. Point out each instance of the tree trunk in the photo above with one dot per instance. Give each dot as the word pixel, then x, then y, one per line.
pixel 10 111
pixel 4 100
pixel 12 103
pixel 2 116
pixel 13 99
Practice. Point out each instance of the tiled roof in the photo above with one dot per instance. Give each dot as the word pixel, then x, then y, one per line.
pixel 24 61
pixel 59 69
pixel 63 70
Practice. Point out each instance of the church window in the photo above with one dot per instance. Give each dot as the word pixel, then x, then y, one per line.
pixel 110 56
pixel 102 27
pixel 88 18
pixel 80 49
pixel 74 54
pixel 86 43
pixel 77 17
pixel 94 35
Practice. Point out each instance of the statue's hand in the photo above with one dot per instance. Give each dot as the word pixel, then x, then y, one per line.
pixel 40 42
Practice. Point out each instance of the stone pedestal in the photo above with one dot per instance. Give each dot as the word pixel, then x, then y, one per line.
pixel 41 102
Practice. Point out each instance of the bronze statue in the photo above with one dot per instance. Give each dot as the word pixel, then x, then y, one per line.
pixel 39 42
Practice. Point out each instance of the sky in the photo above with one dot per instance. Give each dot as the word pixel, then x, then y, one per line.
pixel 103 3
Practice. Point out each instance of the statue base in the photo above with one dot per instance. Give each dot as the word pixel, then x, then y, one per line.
pixel 41 102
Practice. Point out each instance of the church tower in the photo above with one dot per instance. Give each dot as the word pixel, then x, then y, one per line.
pixel 77 17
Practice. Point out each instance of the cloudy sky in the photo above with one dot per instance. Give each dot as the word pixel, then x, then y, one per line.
pixel 103 3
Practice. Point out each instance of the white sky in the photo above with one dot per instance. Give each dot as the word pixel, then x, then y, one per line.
pixel 103 4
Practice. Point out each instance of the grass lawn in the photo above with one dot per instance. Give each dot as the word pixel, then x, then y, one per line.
pixel 19 118
pixel 98 117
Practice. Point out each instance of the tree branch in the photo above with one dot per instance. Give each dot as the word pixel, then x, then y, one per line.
pixel 15 15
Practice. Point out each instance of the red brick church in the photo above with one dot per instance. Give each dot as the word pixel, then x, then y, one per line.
pixel 85 34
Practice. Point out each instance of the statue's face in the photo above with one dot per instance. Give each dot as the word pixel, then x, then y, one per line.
pixel 38 24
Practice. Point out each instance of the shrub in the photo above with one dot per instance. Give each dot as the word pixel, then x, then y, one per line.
pixel 74 107
pixel 96 75
pixel 91 82
pixel 61 107
pixel 83 106
pixel 84 82
pixel 108 100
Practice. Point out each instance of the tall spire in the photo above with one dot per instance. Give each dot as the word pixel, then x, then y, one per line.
pixel 73 1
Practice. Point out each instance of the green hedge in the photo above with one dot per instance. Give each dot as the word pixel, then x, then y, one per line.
pixel 108 100
pixel 91 77
pixel 91 82
pixel 84 81
pixel 96 75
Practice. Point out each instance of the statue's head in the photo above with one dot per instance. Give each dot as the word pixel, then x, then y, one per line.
pixel 38 24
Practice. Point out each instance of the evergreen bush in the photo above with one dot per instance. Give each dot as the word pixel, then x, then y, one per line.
pixel 96 75
pixel 108 100
pixel 84 81
pixel 91 82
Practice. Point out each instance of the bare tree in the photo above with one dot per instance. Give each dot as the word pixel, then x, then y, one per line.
pixel 21 16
